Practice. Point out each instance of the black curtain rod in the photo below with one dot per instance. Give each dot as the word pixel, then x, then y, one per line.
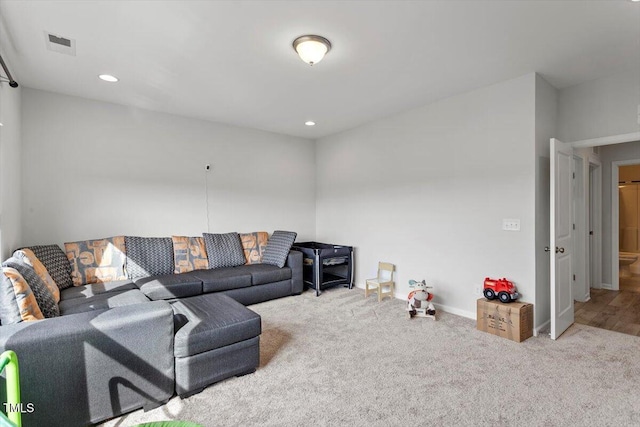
pixel 12 82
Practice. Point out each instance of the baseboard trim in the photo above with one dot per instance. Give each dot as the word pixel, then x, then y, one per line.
pixel 607 286
pixel 445 308
pixel 456 311
pixel 536 331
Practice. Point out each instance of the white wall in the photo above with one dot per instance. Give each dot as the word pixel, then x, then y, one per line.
pixel 93 169
pixel 602 107
pixel 545 128
pixel 427 191
pixel 609 154
pixel 10 153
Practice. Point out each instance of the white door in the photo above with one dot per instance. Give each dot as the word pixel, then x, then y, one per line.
pixel 560 247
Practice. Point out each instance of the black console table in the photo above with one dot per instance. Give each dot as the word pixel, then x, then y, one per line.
pixel 326 265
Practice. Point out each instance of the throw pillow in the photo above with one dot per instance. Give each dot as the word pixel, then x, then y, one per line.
pixel 44 298
pixel 26 301
pixel 253 245
pixel 56 263
pixel 189 254
pixel 278 248
pixel 9 311
pixel 148 256
pixel 224 250
pixel 97 261
pixel 28 257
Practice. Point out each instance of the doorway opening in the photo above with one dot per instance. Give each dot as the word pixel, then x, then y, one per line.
pixel 614 301
pixel 597 267
pixel 628 227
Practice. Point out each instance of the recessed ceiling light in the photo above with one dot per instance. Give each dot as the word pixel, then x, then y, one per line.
pixel 310 123
pixel 108 78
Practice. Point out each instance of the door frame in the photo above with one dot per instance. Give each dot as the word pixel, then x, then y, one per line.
pixel 579 237
pixel 615 220
pixel 598 142
pixel 606 140
pixel 595 221
pixel 587 264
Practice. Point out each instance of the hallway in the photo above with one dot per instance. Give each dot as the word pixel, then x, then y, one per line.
pixel 613 310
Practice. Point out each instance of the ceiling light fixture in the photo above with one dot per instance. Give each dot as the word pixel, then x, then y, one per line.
pixel 108 78
pixel 310 123
pixel 311 49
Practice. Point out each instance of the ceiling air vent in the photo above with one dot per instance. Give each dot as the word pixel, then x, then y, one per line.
pixel 60 44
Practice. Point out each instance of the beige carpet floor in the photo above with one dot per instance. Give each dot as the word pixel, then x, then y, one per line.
pixel 341 360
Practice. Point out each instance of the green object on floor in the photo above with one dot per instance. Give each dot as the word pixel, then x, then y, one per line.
pixel 9 360
pixel 169 424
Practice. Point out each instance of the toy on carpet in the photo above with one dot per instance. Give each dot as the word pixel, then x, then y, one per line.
pixel 419 300
pixel 503 289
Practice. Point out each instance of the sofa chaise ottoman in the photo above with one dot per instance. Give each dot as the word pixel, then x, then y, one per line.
pixel 216 338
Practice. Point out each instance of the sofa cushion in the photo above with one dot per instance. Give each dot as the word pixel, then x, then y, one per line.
pixel 87 291
pixel 16 291
pixel 266 273
pixel 148 256
pixel 224 250
pixel 278 248
pixel 102 301
pixel 211 321
pixel 96 261
pixel 189 253
pixel 44 298
pixel 169 286
pixel 56 262
pixel 28 257
pixel 222 279
pixel 253 245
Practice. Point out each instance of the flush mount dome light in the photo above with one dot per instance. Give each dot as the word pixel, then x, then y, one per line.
pixel 311 49
pixel 108 78
pixel 310 123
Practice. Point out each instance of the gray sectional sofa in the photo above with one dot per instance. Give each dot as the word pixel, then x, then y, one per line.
pixel 134 343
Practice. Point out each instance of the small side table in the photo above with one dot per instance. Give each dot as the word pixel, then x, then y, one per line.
pixel 326 265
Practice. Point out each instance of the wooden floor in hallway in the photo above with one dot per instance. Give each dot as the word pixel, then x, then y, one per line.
pixel 613 310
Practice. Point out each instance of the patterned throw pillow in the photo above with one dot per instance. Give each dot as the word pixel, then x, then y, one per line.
pixel 44 298
pixel 26 301
pixel 28 257
pixel 148 256
pixel 189 254
pixel 56 262
pixel 278 248
pixel 9 311
pixel 253 245
pixel 97 261
pixel 224 250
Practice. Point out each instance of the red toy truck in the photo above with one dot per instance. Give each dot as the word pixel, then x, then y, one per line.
pixel 503 289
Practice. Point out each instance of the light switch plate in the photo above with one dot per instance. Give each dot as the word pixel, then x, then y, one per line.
pixel 511 224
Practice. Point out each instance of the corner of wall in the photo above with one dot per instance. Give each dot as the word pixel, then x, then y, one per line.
pixel 10 169
pixel 546 104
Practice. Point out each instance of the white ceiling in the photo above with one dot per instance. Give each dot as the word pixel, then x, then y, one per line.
pixel 232 61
